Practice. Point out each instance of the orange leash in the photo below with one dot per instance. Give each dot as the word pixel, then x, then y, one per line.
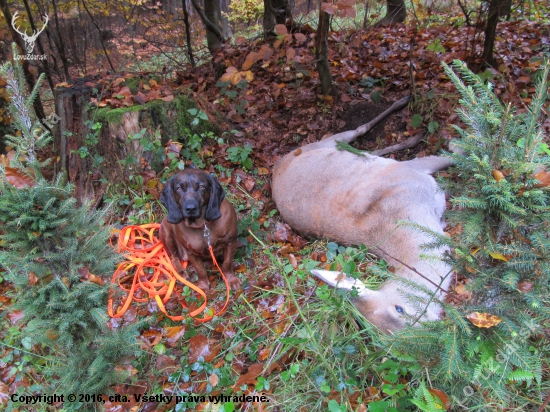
pixel 153 272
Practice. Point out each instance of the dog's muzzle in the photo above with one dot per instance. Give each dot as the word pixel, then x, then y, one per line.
pixel 191 208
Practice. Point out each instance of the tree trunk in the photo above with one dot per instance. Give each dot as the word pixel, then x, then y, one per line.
pixel 70 134
pixel 366 16
pixel 281 10
pixel 212 12
pixel 226 28
pixel 505 9
pixel 268 21
pixel 321 51
pixel 187 32
pixel 37 104
pixel 211 17
pixel 490 32
pixel 396 12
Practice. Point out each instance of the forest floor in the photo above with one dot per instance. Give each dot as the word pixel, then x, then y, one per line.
pixel 263 343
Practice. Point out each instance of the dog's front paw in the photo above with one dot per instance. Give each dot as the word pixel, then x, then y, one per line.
pixel 234 282
pixel 204 285
pixel 176 263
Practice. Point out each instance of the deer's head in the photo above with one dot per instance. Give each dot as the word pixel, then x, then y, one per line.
pixel 386 308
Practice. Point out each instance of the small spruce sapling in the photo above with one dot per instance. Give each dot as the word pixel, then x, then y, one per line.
pixel 58 258
pixel 500 202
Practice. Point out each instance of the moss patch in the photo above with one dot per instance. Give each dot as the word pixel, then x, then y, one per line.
pixel 110 115
pixel 172 118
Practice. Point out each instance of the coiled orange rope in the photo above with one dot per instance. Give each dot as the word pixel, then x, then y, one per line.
pixel 153 272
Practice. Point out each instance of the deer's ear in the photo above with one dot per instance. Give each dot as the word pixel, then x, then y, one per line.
pixel 340 281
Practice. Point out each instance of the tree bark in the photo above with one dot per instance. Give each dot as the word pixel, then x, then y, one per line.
pixel 37 104
pixel 212 12
pixel 187 32
pixel 366 16
pixel 396 12
pixel 321 52
pixel 226 28
pixel 69 136
pixel 490 32
pixel 113 144
pixel 505 9
pixel 281 10
pixel 268 22
pixel 214 35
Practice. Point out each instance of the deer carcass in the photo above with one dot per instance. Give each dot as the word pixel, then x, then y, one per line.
pixel 350 199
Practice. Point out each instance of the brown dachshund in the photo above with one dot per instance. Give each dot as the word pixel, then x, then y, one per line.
pixel 195 201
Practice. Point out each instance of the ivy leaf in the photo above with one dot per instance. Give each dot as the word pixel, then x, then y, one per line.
pixel 378 406
pixel 433 126
pixel 416 121
pixel 334 406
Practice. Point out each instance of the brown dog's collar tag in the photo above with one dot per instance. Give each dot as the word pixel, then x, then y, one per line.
pixel 207 234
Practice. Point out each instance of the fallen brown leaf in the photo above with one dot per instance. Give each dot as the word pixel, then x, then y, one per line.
pixel 17 178
pixel 497 175
pixel 483 320
pixel 152 336
pixel 32 279
pixel 15 316
pixel 250 377
pixel 200 345
pixel 525 286
pixel 4 393
pixel 543 178
pixel 173 334
pixel 443 397
pixel 213 379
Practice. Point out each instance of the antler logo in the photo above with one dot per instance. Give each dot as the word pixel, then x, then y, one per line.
pixel 29 40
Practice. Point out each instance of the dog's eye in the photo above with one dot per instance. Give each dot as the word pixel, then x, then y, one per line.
pixel 180 189
pixel 201 187
pixel 399 309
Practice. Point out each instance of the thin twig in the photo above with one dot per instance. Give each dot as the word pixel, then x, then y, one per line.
pixel 546 402
pixel 432 297
pixel 414 270
pixel 466 14
pixel 100 36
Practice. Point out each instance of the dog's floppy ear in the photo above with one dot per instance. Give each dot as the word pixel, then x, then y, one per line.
pixel 216 196
pixel 168 201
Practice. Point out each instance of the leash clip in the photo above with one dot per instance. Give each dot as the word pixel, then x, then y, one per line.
pixel 207 234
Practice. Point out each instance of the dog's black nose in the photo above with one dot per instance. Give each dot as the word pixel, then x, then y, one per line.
pixel 191 209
